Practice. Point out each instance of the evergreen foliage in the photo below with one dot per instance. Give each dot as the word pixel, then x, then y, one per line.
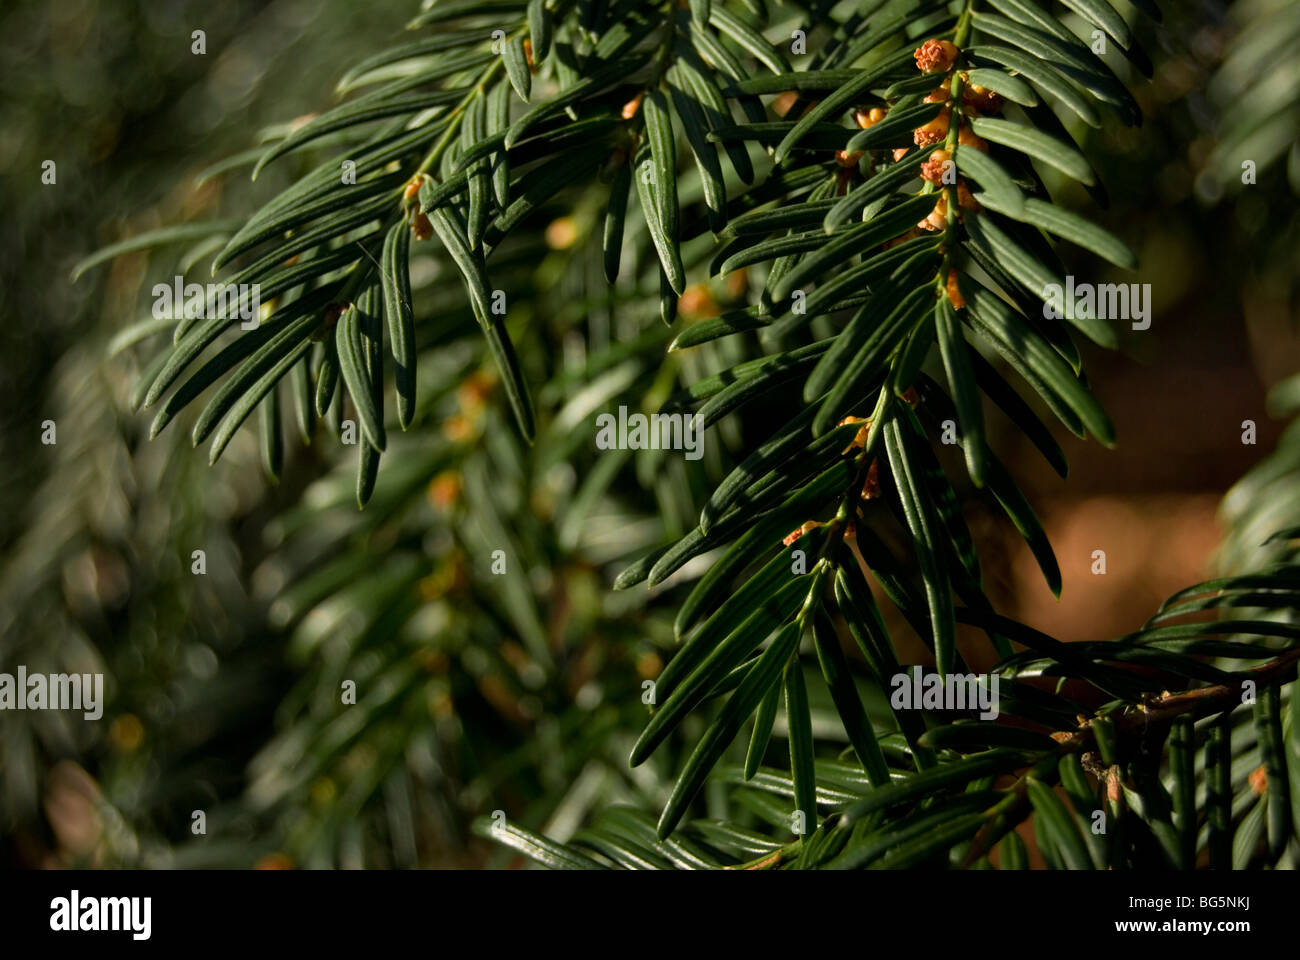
pixel 847 218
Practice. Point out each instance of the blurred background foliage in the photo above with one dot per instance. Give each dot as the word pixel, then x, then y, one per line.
pixel 476 692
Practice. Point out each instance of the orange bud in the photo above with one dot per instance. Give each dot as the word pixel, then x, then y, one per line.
pixel 932 169
pixel 421 227
pixel 737 283
pixel 783 102
pixel 938 95
pixel 561 233
pixel 528 54
pixel 967 139
pixel 900 153
pixel 473 391
pixel 934 131
pixel 457 428
pixel 632 106
pixel 860 438
pixel 806 528
pixel 697 303
pixel 413 186
pixel 846 159
pixel 936 56
pixel 1259 781
pixel 649 666
pixel 938 217
pixel 871 487
pixel 444 489
pixel 869 118
pixel 980 100
pixel 964 198
pixel 954 292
